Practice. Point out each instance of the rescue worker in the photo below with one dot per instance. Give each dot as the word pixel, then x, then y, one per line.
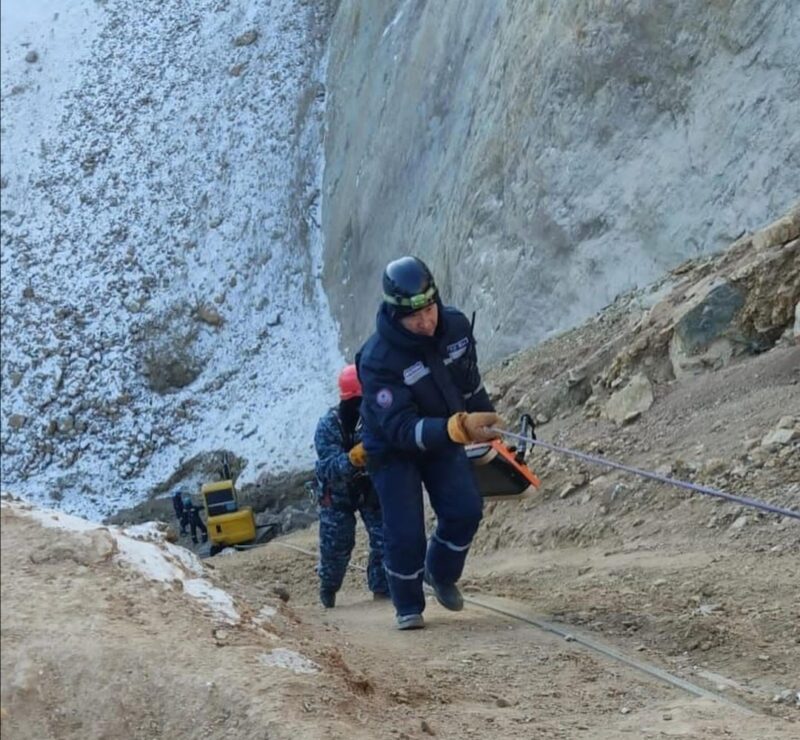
pixel 423 400
pixel 344 489
pixel 192 514
pixel 180 514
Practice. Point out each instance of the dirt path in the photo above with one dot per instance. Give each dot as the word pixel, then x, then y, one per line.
pixel 94 649
pixel 477 674
pixel 703 589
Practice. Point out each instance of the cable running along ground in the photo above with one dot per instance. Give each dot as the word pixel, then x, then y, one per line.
pixel 517 613
pixel 595 459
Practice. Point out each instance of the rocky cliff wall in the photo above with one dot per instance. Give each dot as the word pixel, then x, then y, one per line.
pixel 544 157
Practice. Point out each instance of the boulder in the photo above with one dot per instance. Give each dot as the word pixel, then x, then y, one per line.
pixel 706 336
pixel 778 438
pixel 247 38
pixel 17 421
pixel 630 402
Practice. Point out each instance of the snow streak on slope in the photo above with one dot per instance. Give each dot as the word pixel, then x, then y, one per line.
pixel 160 244
pixel 142 548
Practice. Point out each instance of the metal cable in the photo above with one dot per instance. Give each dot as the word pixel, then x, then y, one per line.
pixel 570 635
pixel 482 602
pixel 595 459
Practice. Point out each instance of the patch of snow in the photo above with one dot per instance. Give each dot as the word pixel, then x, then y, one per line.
pixel 283 658
pixel 156 560
pixel 397 16
pixel 60 33
pixel 265 614
pixel 53 519
pixel 218 600
pixel 148 531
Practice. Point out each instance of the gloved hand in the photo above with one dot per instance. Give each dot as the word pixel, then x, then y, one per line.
pixel 465 428
pixel 358 455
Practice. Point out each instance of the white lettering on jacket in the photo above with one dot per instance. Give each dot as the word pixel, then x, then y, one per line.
pixel 457 349
pixel 415 372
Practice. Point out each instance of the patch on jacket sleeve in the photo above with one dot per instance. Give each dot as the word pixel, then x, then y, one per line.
pixel 415 372
pixel 384 398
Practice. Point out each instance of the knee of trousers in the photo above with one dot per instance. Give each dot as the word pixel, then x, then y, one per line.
pixel 403 533
pixel 335 549
pixel 404 554
pixel 472 512
pixel 337 526
pixel 459 531
pixel 399 552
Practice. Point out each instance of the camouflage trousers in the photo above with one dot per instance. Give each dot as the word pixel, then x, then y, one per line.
pixel 337 537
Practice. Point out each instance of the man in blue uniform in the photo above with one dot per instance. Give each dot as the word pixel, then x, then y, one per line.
pixel 423 400
pixel 344 489
pixel 180 514
pixel 192 516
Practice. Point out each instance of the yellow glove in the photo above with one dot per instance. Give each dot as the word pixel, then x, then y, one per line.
pixel 358 455
pixel 465 428
pixel 456 429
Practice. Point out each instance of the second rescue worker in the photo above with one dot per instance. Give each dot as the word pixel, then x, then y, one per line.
pixel 423 400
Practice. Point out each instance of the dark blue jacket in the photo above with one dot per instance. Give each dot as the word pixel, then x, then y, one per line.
pixel 177 503
pixel 412 383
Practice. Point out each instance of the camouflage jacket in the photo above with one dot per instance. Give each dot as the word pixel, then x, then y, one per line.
pixel 340 483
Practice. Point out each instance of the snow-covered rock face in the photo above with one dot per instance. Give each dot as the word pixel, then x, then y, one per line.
pixel 546 156
pixel 161 255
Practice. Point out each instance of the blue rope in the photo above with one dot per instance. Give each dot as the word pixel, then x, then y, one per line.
pixel 654 476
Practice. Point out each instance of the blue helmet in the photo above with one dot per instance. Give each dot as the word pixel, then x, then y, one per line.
pixel 408 285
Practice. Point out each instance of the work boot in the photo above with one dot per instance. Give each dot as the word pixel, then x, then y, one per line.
pixel 328 598
pixel 410 621
pixel 447 594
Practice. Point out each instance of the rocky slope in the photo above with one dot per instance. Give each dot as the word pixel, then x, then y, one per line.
pixel 546 157
pixel 160 244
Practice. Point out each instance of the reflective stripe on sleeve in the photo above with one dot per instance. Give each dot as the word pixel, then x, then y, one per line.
pixel 467 396
pixel 418 434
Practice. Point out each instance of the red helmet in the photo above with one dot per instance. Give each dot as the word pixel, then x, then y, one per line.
pixel 349 386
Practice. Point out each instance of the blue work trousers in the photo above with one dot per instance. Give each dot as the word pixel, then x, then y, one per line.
pixel 453 493
pixel 337 537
